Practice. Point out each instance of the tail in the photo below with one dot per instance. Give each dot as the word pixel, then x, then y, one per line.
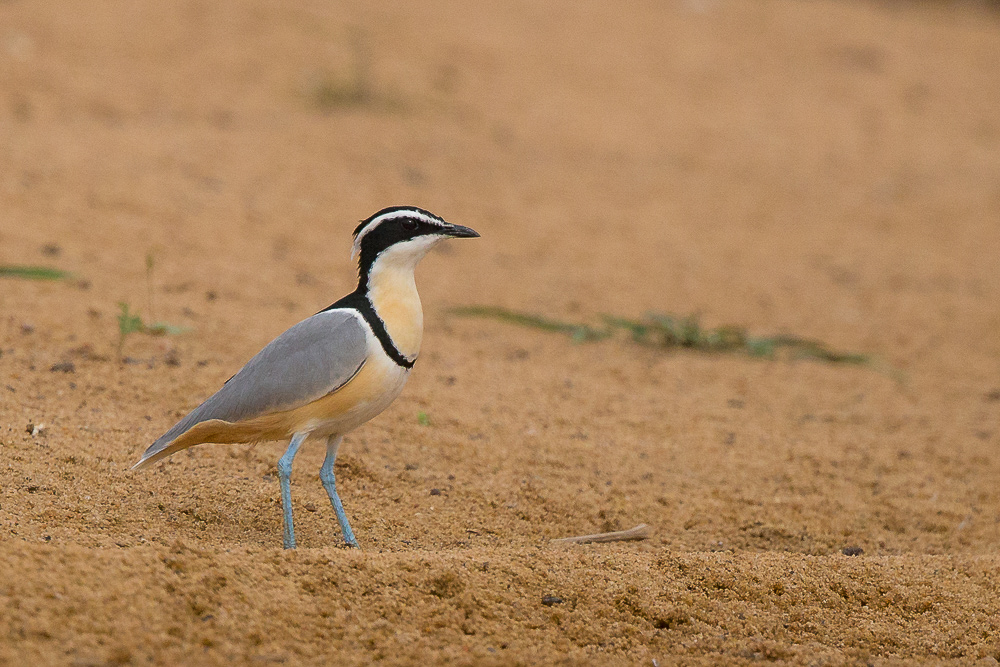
pixel 269 427
pixel 183 434
pixel 159 450
pixel 173 440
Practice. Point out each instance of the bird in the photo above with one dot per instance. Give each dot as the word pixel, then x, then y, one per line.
pixel 333 371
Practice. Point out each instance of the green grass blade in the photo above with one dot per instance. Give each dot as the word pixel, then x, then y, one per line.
pixel 128 322
pixel 669 332
pixel 165 329
pixel 32 272
pixel 639 330
pixel 578 332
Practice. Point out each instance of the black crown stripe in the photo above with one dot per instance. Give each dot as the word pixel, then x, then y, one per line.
pixel 395 209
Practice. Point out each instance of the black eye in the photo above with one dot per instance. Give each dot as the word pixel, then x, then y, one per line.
pixel 409 224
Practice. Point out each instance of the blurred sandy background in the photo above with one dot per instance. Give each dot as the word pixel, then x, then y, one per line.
pixel 827 169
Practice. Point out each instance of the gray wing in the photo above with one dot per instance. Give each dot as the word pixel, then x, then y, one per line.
pixel 311 359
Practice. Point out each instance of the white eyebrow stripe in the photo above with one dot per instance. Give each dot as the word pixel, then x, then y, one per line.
pixel 391 215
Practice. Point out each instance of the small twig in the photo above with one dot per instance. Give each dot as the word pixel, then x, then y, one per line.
pixel 640 532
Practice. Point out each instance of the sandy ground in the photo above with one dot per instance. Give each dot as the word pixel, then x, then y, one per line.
pixel 828 169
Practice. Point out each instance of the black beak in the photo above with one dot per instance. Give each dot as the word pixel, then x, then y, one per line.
pixel 460 232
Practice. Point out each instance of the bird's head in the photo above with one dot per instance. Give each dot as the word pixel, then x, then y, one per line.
pixel 401 236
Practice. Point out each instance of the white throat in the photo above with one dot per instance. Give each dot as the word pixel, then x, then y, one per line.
pixel 393 292
pixel 405 255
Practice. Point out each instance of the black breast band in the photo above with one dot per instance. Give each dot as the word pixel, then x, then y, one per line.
pixel 359 302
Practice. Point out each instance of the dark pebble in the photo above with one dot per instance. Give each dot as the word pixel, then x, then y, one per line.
pixel 63 367
pixel 852 551
pixel 435 492
pixel 550 600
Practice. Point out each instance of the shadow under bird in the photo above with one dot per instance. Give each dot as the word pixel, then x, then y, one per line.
pixel 331 372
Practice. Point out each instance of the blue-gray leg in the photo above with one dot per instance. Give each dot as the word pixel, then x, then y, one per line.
pixel 284 477
pixel 330 484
